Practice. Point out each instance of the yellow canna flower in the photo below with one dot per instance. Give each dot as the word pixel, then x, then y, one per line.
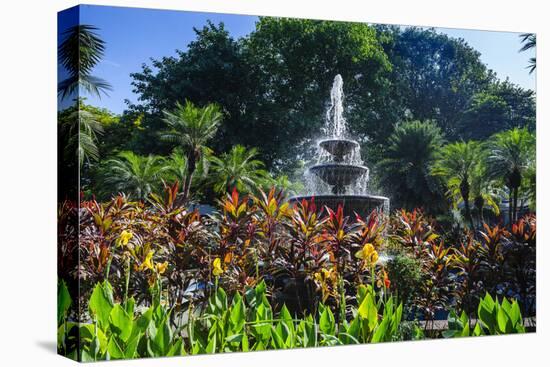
pixel 368 254
pixel 161 267
pixel 148 262
pixel 124 238
pixel 217 267
pixel 326 281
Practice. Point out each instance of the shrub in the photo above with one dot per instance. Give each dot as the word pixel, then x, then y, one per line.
pixel 405 273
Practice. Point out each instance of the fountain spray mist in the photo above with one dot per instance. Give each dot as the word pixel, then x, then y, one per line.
pixel 335 124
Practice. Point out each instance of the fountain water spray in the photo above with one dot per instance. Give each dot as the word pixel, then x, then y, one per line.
pixel 335 123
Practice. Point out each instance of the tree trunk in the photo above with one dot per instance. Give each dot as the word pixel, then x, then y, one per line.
pixel 191 166
pixel 514 183
pixel 515 204
pixel 479 203
pixel 510 208
pixel 465 192
pixel 468 213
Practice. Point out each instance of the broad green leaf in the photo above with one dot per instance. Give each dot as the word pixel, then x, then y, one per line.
pixel 115 351
pixel 129 306
pixel 346 338
pixel 63 301
pixel 88 332
pixel 354 328
pixel 235 338
pixel 380 332
pixel 449 333
pixel 143 321
pixel 397 318
pixel 367 310
pixel 94 348
pixel 121 322
pixel 101 303
pixel 245 343
pixel 237 315
pixel 464 318
pixel 131 346
pixel 221 299
pixel 326 322
pixel 211 347
pixel 465 330
pixel 515 313
pixel 485 314
pixel 505 304
pixel 86 357
pixel 259 345
pixel 477 330
pixel 164 336
pixel 176 349
pixel 361 293
pixel 504 323
pixel 277 338
pixel 259 292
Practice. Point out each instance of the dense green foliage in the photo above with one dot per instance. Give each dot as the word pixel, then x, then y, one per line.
pixel 405 169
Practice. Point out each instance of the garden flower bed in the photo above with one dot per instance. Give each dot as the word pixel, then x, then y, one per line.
pixel 271 275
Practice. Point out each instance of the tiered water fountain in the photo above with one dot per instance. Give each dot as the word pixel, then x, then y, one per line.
pixel 339 176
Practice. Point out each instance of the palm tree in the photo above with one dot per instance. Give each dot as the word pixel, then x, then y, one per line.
pixel 483 189
pixel 405 170
pixel 133 174
pixel 79 130
pixel 456 163
pixel 79 53
pixel 191 128
pixel 510 155
pixel 176 166
pixel 529 41
pixel 239 169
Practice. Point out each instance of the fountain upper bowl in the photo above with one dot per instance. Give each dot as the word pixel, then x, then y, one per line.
pixel 338 147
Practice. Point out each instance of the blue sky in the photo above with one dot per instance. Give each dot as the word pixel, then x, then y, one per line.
pixel 133 36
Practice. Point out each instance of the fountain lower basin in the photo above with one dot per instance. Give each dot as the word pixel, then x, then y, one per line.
pixel 360 204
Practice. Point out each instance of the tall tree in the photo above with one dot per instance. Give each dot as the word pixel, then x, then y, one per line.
pixel 273 85
pixel 502 106
pixel 292 65
pixel 405 170
pixel 211 70
pixel 483 189
pixel 529 41
pixel 434 76
pixel 191 127
pixel 79 53
pixel 456 164
pixel 510 154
